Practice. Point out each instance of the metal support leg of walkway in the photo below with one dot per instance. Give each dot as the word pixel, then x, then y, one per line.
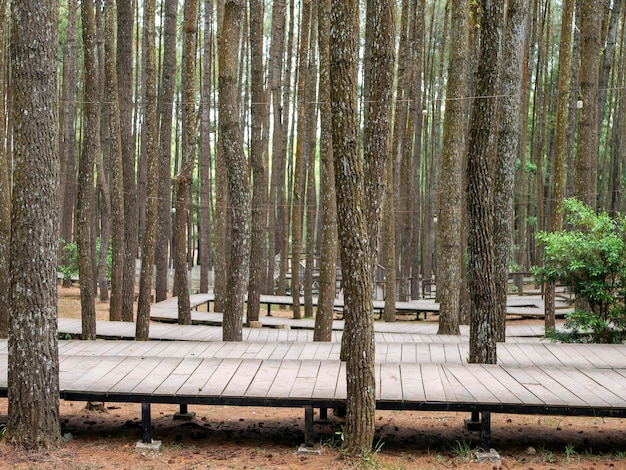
pixel 146 423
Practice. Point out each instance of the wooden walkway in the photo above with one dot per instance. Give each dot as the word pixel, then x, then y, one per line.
pixel 531 379
pixel 525 306
pixel 397 332
pixel 597 356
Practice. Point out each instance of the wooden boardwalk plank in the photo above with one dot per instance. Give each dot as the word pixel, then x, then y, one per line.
pixel 389 382
pixel 263 380
pixel 285 378
pixel 327 379
pixel 412 383
pixel 475 381
pixel 305 380
pixel 520 393
pixel 433 385
pixel 455 390
pixel 194 385
pixel 144 367
pixel 174 381
pixel 612 381
pixel 157 376
pixel 536 383
pixel 221 377
pixel 580 385
pixel 242 378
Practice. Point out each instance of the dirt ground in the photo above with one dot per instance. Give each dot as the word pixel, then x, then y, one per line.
pixel 224 437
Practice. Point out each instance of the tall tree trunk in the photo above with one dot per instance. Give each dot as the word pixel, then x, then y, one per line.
pixel 480 197
pixel 558 193
pixel 5 186
pixel 328 213
pixel 125 23
pixel 279 133
pixel 354 242
pixel 67 136
pixel 587 154
pixel 508 138
pixel 166 106
pixel 450 216
pixel 90 151
pixel 185 177
pixel 258 161
pixel 115 165
pixel 205 151
pixel 381 16
pixel 152 171
pixel 33 364
pixel 301 150
pixel 311 186
pixel 237 169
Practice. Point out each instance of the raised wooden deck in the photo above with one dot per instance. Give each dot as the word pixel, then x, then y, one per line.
pixel 533 378
pixel 530 379
pixel 407 332
pixel 524 306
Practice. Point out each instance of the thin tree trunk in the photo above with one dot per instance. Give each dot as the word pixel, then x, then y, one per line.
pixel 237 168
pixel 5 187
pixel 185 177
pixel 152 171
pixel 587 153
pixel 166 106
pixel 67 138
pixel 450 215
pixel 328 213
pixel 301 155
pixel 258 161
pixel 125 22
pixel 90 151
pixel 311 186
pixel 508 139
pixel 480 198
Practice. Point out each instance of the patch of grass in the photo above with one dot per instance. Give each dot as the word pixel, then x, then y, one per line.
pixel 569 451
pixel 461 450
pixel 547 454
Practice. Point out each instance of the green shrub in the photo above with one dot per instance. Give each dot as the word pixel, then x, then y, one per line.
pixel 589 256
pixel 68 264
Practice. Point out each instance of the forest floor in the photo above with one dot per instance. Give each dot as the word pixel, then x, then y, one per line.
pixel 226 437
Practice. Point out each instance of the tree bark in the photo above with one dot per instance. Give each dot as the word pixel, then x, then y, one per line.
pixel 5 187
pixel 354 242
pixel 300 158
pixel 116 164
pixel 381 16
pixel 237 170
pixel 328 213
pixel 166 107
pixel 450 215
pixel 205 151
pixel 279 139
pixel 258 161
pixel 480 197
pixel 125 23
pixel 560 146
pixel 587 153
pixel 152 171
pixel 33 364
pixel 185 177
pixel 90 151
pixel 508 138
